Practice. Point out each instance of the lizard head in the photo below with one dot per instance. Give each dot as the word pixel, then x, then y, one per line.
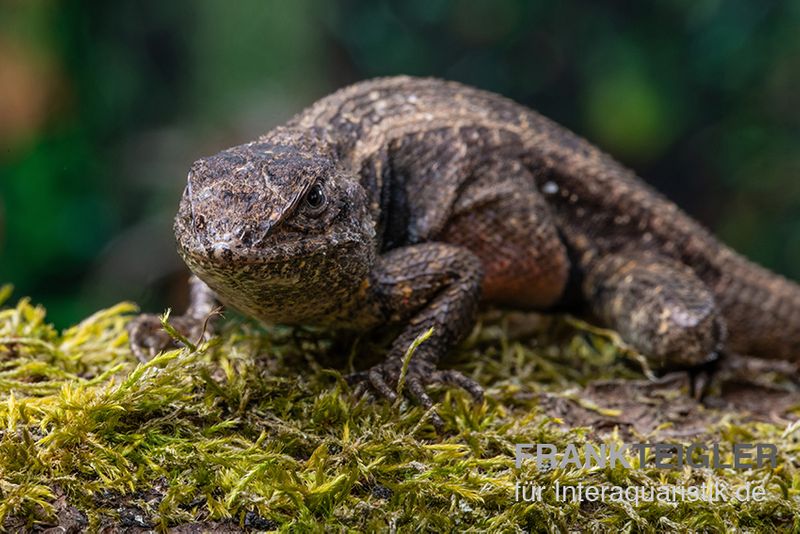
pixel 276 227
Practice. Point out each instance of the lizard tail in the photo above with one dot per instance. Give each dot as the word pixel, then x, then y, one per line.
pixel 762 310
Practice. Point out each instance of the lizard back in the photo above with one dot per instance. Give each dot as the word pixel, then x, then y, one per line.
pixel 599 206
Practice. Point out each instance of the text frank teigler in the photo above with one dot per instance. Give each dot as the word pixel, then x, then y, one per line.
pixel 645 455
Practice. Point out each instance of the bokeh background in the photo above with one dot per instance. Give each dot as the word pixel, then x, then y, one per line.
pixel 104 105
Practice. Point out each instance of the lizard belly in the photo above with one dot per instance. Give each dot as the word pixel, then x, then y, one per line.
pixel 523 282
pixel 525 263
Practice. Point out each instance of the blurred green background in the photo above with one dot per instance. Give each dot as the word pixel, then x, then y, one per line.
pixel 104 105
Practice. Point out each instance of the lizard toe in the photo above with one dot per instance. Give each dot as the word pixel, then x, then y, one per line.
pixel 701 376
pixel 147 337
pixel 360 388
pixel 379 383
pixel 416 391
pixel 461 380
pixel 698 384
pixel 382 380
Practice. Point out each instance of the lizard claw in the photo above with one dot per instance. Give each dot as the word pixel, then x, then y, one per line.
pixel 699 382
pixel 379 383
pixel 148 337
pixel 461 380
pixel 382 379
pixel 701 376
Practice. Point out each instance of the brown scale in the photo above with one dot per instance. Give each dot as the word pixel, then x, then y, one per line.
pixel 407 200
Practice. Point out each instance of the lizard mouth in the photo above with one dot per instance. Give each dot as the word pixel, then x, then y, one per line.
pixel 227 254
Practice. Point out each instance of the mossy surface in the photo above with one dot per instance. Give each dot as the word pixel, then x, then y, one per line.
pixel 257 430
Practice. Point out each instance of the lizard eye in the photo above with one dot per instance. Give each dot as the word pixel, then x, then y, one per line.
pixel 315 200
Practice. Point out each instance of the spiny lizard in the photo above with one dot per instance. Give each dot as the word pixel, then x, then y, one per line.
pixel 411 201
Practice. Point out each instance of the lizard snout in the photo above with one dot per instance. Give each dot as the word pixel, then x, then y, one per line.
pixel 236 239
pixel 220 250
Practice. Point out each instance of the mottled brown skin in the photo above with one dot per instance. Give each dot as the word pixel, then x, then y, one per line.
pixel 410 201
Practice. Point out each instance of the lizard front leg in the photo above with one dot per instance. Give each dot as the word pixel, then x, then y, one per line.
pixel 147 336
pixel 429 285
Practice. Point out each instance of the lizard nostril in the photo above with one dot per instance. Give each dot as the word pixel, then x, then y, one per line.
pixel 220 250
pixel 246 237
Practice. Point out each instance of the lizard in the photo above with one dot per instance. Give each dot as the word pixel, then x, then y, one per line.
pixel 415 201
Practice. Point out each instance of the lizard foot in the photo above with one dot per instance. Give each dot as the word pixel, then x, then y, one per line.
pixel 383 379
pixel 148 337
pixel 738 367
pixel 703 375
pixel 700 380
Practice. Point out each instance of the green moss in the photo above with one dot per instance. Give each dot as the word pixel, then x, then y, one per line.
pixel 253 430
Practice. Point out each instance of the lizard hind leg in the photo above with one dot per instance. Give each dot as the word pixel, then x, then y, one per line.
pixel 659 307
